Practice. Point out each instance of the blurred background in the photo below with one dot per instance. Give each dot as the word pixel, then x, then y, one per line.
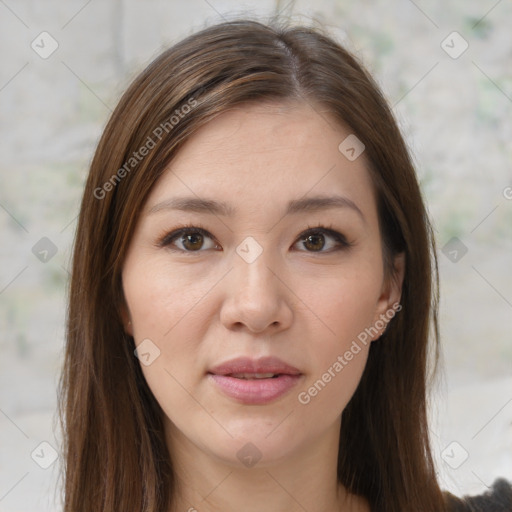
pixel 446 69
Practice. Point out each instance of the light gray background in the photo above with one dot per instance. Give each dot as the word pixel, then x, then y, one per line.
pixel 456 114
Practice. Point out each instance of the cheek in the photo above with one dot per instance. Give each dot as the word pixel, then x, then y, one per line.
pixel 344 307
pixel 160 298
pixel 339 356
pixel 163 323
pixel 168 317
pixel 329 390
pixel 344 302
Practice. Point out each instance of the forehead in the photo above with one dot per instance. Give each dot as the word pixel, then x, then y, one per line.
pixel 267 154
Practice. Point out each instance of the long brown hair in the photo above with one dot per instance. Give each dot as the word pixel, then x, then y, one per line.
pixel 115 453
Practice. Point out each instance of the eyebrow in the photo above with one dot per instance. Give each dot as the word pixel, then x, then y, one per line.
pixel 295 206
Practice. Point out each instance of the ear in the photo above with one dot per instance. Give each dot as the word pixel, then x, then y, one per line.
pixel 126 319
pixel 389 299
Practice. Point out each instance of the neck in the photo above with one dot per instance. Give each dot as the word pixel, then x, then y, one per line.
pixel 305 480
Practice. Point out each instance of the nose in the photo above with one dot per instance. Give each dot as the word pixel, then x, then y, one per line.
pixel 256 297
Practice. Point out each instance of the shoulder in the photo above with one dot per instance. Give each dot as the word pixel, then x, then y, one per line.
pixel 497 499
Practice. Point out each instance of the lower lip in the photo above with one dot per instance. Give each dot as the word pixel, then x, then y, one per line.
pixel 255 391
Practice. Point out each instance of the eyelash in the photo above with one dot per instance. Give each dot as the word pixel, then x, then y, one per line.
pixel 168 238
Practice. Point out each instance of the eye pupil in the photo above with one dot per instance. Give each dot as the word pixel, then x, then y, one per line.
pixel 316 240
pixel 193 241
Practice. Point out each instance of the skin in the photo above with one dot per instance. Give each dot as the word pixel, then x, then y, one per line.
pixel 300 301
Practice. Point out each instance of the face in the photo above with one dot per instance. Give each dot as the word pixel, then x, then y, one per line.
pixel 254 284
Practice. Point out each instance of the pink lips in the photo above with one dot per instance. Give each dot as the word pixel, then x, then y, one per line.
pixel 238 379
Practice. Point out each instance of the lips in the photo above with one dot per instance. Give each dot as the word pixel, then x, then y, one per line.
pixel 259 368
pixel 254 382
pixel 249 376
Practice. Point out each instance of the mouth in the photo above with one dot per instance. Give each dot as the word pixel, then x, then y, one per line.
pixel 254 376
pixel 247 368
pixel 254 382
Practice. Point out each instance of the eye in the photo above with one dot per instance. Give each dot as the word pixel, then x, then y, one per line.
pixel 195 239
pixel 320 238
pixel 189 239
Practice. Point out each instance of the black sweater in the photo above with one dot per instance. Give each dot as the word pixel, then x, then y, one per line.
pixel 497 499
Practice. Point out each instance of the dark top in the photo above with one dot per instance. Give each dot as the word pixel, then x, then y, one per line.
pixel 497 499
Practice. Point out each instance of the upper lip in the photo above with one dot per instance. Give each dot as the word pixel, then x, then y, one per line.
pixel 247 365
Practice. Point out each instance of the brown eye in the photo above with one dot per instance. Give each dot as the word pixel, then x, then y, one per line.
pixel 323 240
pixel 314 242
pixel 190 239
pixel 192 242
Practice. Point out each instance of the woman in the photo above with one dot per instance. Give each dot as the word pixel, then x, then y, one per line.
pixel 254 284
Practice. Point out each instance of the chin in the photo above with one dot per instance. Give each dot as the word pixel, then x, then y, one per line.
pixel 255 441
